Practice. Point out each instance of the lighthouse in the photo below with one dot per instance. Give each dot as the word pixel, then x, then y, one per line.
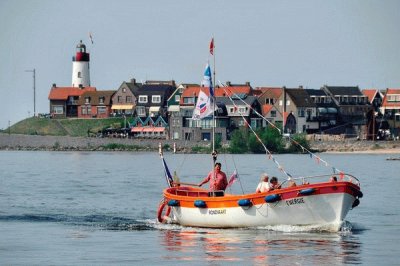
pixel 80 67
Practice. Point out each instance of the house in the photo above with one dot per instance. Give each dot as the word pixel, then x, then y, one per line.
pixel 241 111
pixel 175 119
pixel 269 97
pixel 299 110
pixel 326 113
pixel 64 100
pixel 375 98
pixel 95 104
pixel 124 99
pixel 355 111
pixel 391 110
pixel 197 130
pixel 152 98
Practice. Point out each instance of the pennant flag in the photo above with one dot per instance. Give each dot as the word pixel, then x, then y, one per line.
pixel 334 170
pixel 91 37
pixel 204 107
pixel 341 175
pixel 207 80
pixel 212 46
pixel 234 177
pixel 168 175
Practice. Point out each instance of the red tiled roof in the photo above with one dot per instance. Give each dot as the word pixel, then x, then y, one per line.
pixel 192 92
pixel 266 108
pixel 275 91
pixel 370 93
pixel 229 91
pixel 385 103
pixel 62 93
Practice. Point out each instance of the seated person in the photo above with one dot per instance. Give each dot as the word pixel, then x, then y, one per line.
pixel 218 181
pixel 291 183
pixel 333 179
pixel 274 183
pixel 263 186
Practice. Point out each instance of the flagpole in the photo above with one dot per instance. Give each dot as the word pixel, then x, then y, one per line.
pixel 215 82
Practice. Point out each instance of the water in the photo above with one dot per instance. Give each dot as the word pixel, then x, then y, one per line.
pixel 83 208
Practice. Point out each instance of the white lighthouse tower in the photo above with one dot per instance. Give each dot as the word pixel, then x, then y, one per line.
pixel 80 67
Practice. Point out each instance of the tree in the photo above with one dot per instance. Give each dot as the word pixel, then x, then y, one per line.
pixel 238 142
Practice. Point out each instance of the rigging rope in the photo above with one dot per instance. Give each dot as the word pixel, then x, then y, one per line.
pixel 312 155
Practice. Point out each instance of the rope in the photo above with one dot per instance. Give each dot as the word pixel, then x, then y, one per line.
pixel 312 155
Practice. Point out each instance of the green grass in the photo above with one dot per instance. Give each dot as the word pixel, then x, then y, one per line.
pixel 62 127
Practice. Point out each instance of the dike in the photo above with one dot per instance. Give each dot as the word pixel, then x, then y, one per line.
pixel 67 143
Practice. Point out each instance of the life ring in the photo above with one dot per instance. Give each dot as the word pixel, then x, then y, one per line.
pixel 163 218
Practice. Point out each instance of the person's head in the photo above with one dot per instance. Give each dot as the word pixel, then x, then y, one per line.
pixel 264 177
pixel 218 166
pixel 274 180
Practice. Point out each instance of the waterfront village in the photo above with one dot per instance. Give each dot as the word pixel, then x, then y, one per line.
pixel 163 109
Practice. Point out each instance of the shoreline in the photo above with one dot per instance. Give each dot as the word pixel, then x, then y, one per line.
pixel 66 143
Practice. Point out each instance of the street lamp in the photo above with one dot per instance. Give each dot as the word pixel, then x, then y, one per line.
pixel 34 90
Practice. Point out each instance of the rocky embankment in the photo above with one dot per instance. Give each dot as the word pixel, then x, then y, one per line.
pixel 63 143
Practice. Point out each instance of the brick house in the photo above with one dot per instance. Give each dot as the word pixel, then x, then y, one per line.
pixel 95 104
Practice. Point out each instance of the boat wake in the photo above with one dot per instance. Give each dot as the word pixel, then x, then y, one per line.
pixel 99 221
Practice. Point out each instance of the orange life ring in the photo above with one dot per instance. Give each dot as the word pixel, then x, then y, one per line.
pixel 163 218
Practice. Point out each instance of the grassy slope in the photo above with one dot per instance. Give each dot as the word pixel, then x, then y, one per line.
pixel 62 127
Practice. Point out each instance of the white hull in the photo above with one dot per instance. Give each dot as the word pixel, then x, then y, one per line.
pixel 304 210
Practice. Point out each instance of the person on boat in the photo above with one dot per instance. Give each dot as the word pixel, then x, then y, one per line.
pixel 263 186
pixel 333 179
pixel 274 183
pixel 219 182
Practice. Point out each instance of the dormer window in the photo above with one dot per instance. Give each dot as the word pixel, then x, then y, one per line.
pixel 101 100
pixel 156 99
pixel 87 99
pixel 142 98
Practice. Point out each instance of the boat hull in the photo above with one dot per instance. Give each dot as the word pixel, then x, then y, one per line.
pixel 324 204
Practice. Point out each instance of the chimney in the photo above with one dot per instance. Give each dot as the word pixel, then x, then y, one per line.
pixel 228 83
pixel 80 86
pixel 133 80
pixel 247 83
pixel 300 86
pixel 54 85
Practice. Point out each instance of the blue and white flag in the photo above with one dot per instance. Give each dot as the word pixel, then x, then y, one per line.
pixel 207 81
pixel 204 107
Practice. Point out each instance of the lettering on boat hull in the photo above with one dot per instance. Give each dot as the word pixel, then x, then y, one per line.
pixel 295 201
pixel 216 212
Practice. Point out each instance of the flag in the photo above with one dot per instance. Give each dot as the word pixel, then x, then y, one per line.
pixel 204 107
pixel 212 46
pixel 168 175
pixel 91 37
pixel 234 177
pixel 207 80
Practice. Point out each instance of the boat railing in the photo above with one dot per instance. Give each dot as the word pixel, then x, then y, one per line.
pixel 302 180
pixel 193 193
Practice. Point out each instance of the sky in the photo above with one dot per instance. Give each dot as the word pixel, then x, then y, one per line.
pixel 268 43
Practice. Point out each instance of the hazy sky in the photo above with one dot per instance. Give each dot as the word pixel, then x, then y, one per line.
pixel 269 43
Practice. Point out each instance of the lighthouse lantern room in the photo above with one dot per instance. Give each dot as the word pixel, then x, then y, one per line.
pixel 80 67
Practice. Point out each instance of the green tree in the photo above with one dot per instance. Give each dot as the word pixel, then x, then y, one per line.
pixel 272 139
pixel 296 140
pixel 238 142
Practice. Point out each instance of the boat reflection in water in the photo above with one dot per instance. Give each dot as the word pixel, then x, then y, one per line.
pixel 261 247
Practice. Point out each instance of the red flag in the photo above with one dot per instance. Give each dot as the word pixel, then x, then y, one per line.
pixel 212 46
pixel 232 179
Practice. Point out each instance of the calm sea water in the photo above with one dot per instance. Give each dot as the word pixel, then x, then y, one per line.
pixel 85 208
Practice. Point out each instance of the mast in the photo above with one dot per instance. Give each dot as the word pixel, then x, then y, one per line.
pixel 212 46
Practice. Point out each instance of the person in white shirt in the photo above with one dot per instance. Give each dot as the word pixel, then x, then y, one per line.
pixel 263 186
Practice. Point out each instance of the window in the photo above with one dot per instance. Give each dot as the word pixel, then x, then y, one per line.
pixel 79 75
pixel 128 99
pixel 177 98
pixel 141 110
pixel 242 110
pixel 87 99
pixel 269 101
pixel 119 99
pixel 101 109
pixel 273 113
pixel 89 110
pixel 142 98
pixel 287 103
pixel 123 90
pixel 188 100
pixel 58 109
pixel 101 100
pixel 300 112
pixel 86 110
pixel 156 99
